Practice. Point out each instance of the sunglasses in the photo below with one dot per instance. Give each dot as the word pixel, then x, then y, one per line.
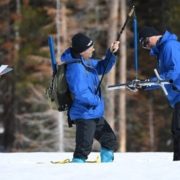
pixel 144 42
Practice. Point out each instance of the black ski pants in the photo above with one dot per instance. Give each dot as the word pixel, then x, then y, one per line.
pixel 87 130
pixel 176 131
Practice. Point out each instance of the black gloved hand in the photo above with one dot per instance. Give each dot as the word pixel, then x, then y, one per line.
pixel 115 47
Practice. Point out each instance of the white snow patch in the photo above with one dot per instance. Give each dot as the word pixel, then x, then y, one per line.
pixel 126 166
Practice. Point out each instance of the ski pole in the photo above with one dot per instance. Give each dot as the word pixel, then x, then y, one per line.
pixel 118 38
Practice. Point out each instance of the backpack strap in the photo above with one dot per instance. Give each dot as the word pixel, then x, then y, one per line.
pixel 70 122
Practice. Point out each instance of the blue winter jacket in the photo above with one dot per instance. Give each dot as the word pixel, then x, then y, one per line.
pixel 82 78
pixel 167 52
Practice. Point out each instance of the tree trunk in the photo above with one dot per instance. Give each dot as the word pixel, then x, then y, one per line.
pixel 112 35
pixel 60 114
pixel 9 120
pixel 122 75
pixel 63 27
pixel 151 125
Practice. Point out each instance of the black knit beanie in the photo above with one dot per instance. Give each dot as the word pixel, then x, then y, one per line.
pixel 81 42
pixel 148 32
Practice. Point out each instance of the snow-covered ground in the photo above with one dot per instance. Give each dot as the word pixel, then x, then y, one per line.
pixel 127 166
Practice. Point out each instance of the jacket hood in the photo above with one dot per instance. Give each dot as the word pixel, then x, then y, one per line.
pixel 166 37
pixel 67 57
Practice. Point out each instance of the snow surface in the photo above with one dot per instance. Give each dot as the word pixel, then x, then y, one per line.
pixel 126 166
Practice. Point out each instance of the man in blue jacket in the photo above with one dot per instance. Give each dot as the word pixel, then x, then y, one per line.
pixel 87 109
pixel 166 49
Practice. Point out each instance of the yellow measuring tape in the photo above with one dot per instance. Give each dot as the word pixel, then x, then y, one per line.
pixel 65 161
pixel 61 161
